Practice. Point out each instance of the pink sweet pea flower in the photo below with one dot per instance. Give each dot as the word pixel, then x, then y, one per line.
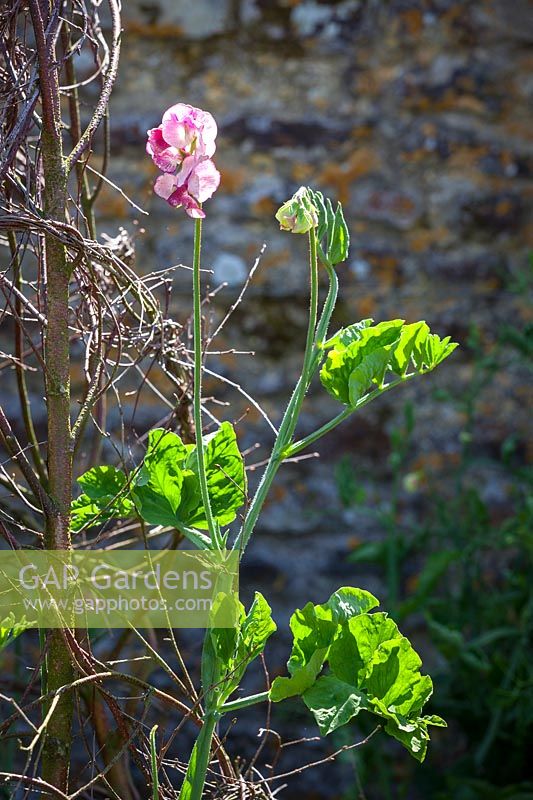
pixel 184 131
pixel 196 182
pixel 182 147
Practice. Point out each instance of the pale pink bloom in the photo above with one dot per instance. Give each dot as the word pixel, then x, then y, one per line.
pixel 164 156
pixel 196 182
pixel 184 131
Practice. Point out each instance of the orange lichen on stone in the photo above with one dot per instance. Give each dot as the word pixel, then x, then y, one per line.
pixel 465 157
pixel 372 82
pixel 412 21
pixel 469 102
pixel 424 238
pixel 264 207
pixel 366 306
pixel 232 180
pixel 301 172
pixel 168 31
pixel 362 161
pixel 112 204
pixel 278 258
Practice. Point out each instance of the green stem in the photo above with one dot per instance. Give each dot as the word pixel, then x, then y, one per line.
pixel 197 400
pixel 153 759
pixel 290 418
pixel 313 305
pixel 325 319
pixel 297 447
pixel 244 702
pixel 193 785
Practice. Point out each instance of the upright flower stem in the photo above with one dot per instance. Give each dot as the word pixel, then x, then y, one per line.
pixel 197 399
pixel 290 418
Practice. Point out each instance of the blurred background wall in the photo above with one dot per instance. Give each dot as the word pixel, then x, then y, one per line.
pixel 416 115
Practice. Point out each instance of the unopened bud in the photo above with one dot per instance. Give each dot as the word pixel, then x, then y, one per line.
pixel 298 214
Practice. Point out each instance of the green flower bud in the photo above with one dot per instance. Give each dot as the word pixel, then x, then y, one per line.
pixel 298 214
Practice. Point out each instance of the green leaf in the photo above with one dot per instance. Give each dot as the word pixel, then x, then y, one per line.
pixel 302 678
pixel 167 488
pixel 410 336
pixel 360 357
pixel 351 368
pixel 314 629
pixel 9 629
pixel 371 370
pixel 235 648
pixel 413 735
pixel 346 336
pixel 256 629
pixel 226 479
pixel 333 703
pixel 332 232
pixel 395 686
pixel 220 643
pixel 431 350
pixel 372 668
pixel 348 602
pixel 105 496
pixel 339 245
pixel 351 654
pixel 158 484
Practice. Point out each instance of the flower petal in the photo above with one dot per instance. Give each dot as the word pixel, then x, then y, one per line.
pixel 165 185
pixel 163 155
pixel 203 180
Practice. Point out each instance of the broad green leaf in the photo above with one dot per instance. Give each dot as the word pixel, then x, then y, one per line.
pixel 105 496
pixel 365 358
pixel 395 678
pixel 414 734
pixel 314 630
pixel 372 668
pixel 351 654
pixel 167 488
pixel 231 650
pixel 101 482
pixel 431 350
pixel 370 371
pixel 349 602
pixel 157 486
pixel 256 628
pixel 360 357
pixel 226 478
pixel 333 703
pixel 9 629
pixel 302 678
pixel 220 643
pixel 410 336
pixel 346 336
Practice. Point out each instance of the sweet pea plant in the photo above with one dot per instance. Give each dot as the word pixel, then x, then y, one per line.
pixel 346 658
